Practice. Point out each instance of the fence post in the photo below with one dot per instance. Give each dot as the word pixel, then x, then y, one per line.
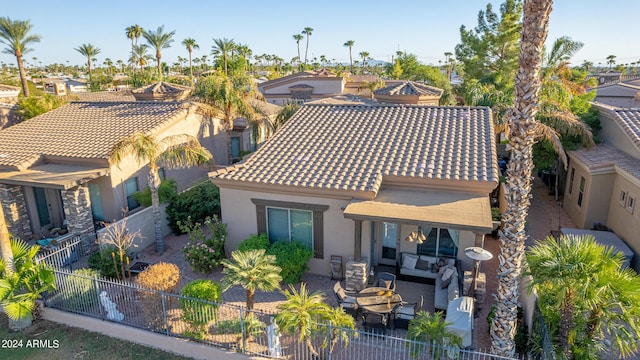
pixel 242 325
pixel 164 314
pixel 329 332
pixel 97 287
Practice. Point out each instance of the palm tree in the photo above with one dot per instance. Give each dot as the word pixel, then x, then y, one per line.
pixel 190 44
pixel 304 313
pixel 133 33
pixel 364 55
pixel 611 60
pixel 432 329
pixel 524 132
pixel 109 64
pixel 252 270
pixel 587 65
pixel 221 49
pixel 246 52
pixel 307 31
pixel 177 151
pixel 89 51
pixel 298 38
pixel 584 292
pixel 349 44
pixel 15 35
pixel 228 97
pixel 140 56
pixel 159 40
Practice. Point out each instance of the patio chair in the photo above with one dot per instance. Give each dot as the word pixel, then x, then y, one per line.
pixel 386 280
pixel 345 301
pixel 406 312
pixel 374 322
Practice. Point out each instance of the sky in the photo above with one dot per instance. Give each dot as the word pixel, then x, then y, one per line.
pixel 426 28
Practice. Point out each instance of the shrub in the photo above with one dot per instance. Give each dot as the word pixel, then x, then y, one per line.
pixel 204 253
pixel 254 242
pixel 496 215
pixel 159 277
pixel 198 313
pixel 103 262
pixel 194 205
pixel 292 258
pixel 80 293
pixel 167 190
pixel 37 105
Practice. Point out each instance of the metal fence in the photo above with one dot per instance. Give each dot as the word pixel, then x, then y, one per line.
pixel 62 256
pixel 229 326
pixel 540 339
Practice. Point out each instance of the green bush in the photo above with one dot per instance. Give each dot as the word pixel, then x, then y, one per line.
pixel 204 253
pixel 292 258
pixel 194 205
pixel 37 105
pixel 254 242
pixel 496 215
pixel 197 313
pixel 102 261
pixel 81 293
pixel 167 190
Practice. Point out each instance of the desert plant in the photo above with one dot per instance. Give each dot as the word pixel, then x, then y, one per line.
pixel 106 262
pixel 119 237
pixel 194 205
pixel 254 242
pixel 292 258
pixel 21 287
pixel 80 292
pixel 246 327
pixel 160 277
pixel 198 313
pixel 432 329
pixel 252 270
pixel 204 252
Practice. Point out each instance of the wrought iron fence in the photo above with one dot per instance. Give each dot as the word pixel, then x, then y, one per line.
pixel 63 255
pixel 230 326
pixel 540 339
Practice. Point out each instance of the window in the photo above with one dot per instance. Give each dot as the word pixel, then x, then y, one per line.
pixel 290 225
pixel 623 198
pixel 290 221
pixel 571 175
pixel 581 193
pixel 235 148
pixel 440 242
pixel 130 188
pixel 162 174
pixel 631 203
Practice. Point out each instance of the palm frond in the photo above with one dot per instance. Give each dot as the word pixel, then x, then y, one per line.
pixel 552 137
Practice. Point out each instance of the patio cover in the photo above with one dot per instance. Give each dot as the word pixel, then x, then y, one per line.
pixel 461 211
pixel 53 176
pixel 605 238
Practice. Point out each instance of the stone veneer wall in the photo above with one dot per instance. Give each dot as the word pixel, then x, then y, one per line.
pixel 77 210
pixel 356 274
pixel 15 211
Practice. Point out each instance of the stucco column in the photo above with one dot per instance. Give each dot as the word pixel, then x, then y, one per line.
pixel 15 211
pixel 479 240
pixel 77 210
pixel 357 241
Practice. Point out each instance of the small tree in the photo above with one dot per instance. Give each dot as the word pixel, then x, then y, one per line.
pixel 431 328
pixel 118 236
pixel 252 270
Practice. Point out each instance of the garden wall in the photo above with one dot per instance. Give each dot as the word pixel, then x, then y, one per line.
pixel 143 221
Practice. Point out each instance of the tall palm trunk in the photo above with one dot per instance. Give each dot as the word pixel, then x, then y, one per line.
pixel 23 75
pixel 89 68
pixel 522 123
pixel 250 299
pixel 154 184
pixel 158 57
pixel 5 244
pixel 190 67
pixel 566 324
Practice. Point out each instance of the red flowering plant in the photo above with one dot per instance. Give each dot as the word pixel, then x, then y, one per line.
pixel 206 244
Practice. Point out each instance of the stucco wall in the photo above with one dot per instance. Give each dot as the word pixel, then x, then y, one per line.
pixel 626 223
pixel 596 199
pixel 613 135
pixel 239 213
pixel 143 221
pixel 570 203
pixel 324 86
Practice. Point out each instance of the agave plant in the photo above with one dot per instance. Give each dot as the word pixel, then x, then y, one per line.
pixel 20 289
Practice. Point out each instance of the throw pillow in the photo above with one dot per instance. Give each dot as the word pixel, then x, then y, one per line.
pixel 387 283
pixel 452 292
pixel 435 267
pixel 422 265
pixel 447 274
pixel 445 283
pixel 410 262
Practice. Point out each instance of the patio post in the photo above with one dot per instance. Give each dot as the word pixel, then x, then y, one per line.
pixel 357 241
pixel 479 240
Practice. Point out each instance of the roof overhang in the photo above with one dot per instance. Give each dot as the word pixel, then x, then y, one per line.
pixel 437 208
pixel 54 176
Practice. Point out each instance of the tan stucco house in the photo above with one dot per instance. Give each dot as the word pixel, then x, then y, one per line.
pixel 603 182
pixel 54 168
pixel 622 95
pixel 356 180
pixel 302 86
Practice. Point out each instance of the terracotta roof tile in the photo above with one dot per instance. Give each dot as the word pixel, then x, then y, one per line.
pixel 629 122
pixel 81 130
pixel 409 88
pixel 604 156
pixel 105 96
pixel 350 147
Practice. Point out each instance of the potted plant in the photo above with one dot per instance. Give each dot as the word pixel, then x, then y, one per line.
pixel 22 286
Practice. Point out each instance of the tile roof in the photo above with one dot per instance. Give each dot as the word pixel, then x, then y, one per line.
pixel 161 91
pixel 629 122
pixel 606 156
pixel 351 147
pixel 409 88
pixel 82 130
pixel 105 96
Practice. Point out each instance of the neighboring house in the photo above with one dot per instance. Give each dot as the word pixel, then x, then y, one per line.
pixel 355 180
pixel 302 86
pixel 77 85
pixel 246 136
pixel 622 95
pixel 409 92
pixel 8 105
pixel 55 170
pixel 603 182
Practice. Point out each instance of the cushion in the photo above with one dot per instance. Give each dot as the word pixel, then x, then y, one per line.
pixel 406 310
pixel 447 274
pixel 386 283
pixel 410 262
pixel 435 267
pixel 445 283
pixel 422 265
pixel 452 291
pixel 442 261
